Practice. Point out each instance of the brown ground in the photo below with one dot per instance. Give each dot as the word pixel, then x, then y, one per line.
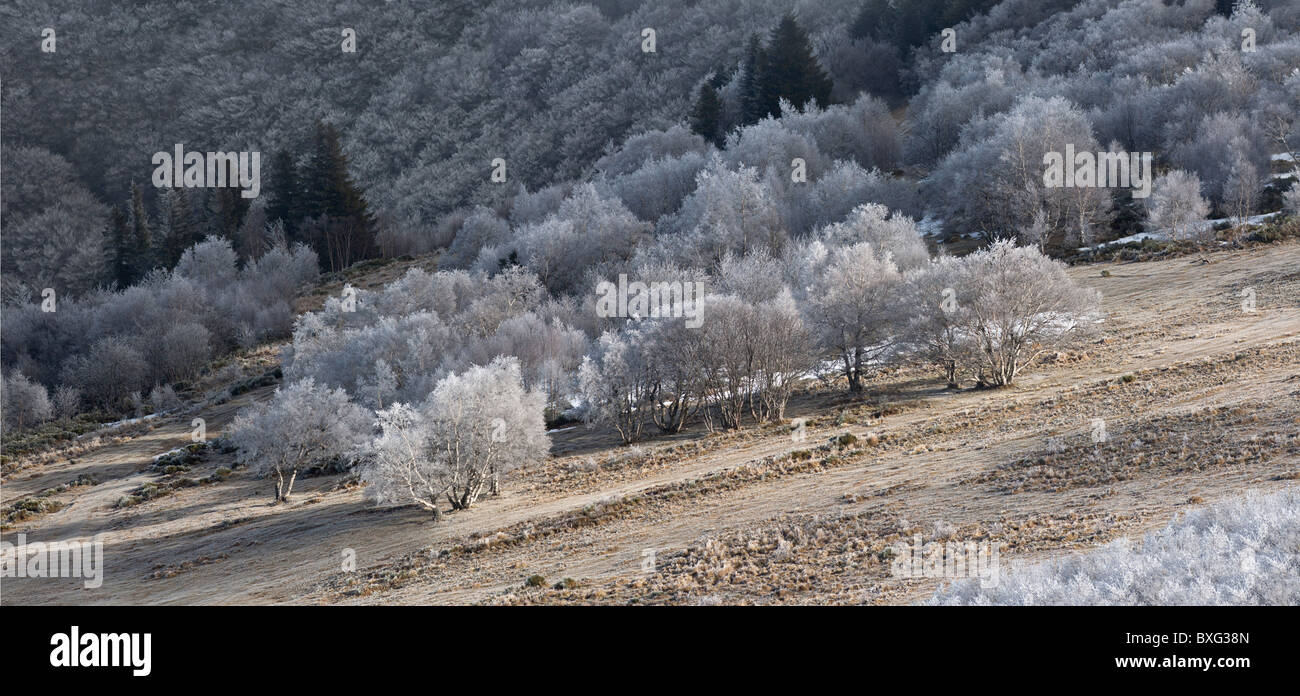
pixel 1200 399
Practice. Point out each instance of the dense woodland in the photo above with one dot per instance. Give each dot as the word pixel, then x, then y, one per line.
pixel 791 156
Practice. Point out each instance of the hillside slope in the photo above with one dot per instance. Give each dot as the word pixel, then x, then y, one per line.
pixel 1212 408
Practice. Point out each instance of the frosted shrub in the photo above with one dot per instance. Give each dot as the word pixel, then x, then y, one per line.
pixel 67 402
pixel 1176 205
pixel 108 372
pixel 994 181
pixel 639 149
pixel 211 263
pixel 163 399
pixel 658 187
pixel 851 306
pixel 1240 552
pixel 1291 199
pixel 891 235
pixel 25 403
pixel 616 384
pixel 482 228
pixel 938 300
pixel 728 211
pixel 181 352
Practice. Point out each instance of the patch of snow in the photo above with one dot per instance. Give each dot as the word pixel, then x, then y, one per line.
pixel 1125 240
pixel 130 421
pixel 930 226
pixel 1164 234
pixel 156 457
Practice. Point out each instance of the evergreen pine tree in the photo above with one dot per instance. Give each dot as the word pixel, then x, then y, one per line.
pixel 140 242
pixel 173 228
pixel 227 208
pixel 875 20
pixel 791 71
pixel 706 117
pixel 117 251
pixel 346 234
pixel 751 99
pixel 284 193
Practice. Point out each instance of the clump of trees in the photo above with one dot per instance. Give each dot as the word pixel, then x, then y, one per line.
pixel 106 345
pixel 319 204
pixel 852 297
pixel 304 424
pixel 53 224
pixel 993 182
pixel 744 359
pixel 770 80
pixel 472 429
pixel 399 341
pixel 995 312
pixel 1020 305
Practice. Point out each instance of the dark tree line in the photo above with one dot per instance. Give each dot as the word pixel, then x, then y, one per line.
pixel 784 68
pixel 315 202
pixel 906 24
pixel 136 243
pixel 319 204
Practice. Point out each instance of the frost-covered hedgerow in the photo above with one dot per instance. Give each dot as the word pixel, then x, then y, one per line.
pixel 1245 551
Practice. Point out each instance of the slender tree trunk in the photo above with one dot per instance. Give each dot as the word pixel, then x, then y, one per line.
pixel 289 488
pixel 852 372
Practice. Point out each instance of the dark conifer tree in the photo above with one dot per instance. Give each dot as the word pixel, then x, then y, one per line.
pixel 791 71
pixel 706 116
pixel 140 238
pixel 346 233
pixel 118 249
pixel 177 230
pixel 751 96
pixel 284 192
pixel 227 208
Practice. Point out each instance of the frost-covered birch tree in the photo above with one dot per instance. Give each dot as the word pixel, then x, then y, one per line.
pixel 473 428
pixel 303 423
pixel 1022 305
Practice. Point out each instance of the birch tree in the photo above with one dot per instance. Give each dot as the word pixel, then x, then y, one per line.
pixel 301 425
pixel 474 427
pixel 1022 306
pixel 852 304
